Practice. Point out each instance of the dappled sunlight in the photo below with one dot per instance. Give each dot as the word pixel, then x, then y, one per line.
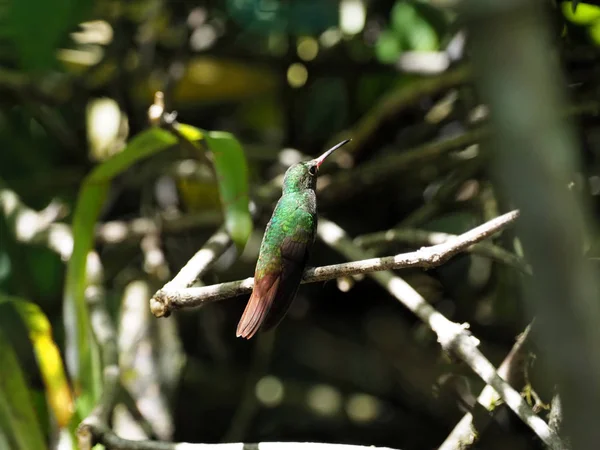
pixel 352 16
pixel 299 224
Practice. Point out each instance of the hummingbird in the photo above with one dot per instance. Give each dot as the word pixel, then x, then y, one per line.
pixel 284 251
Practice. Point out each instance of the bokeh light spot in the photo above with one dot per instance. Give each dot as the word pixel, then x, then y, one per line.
pixel 362 408
pixel 269 391
pixel 324 400
pixel 297 75
pixel 308 48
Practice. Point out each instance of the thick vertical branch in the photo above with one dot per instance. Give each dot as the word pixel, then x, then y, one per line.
pixel 535 160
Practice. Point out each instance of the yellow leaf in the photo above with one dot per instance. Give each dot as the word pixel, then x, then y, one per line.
pixel 58 391
pixel 584 15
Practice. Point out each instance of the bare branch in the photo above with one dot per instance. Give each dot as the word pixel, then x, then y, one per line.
pixel 116 232
pixel 194 268
pixel 464 433
pixel 453 337
pixel 168 299
pixel 446 193
pixel 423 237
pixel 101 433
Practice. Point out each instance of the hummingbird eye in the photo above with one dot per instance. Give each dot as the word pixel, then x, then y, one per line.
pixel 312 170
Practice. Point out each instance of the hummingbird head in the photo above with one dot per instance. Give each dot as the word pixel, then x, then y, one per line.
pixel 303 175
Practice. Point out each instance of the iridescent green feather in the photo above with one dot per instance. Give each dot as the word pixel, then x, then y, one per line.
pixel 292 219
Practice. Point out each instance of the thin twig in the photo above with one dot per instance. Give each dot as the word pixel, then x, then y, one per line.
pixel 373 173
pixel 167 299
pixel 195 267
pixel 453 337
pixel 155 262
pixel 48 90
pixel 117 232
pixel 423 237
pixel 445 194
pixel 399 100
pixel 201 261
pixel 350 182
pixel 464 433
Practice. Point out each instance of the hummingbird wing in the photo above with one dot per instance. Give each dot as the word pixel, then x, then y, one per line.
pixel 294 254
pixel 274 291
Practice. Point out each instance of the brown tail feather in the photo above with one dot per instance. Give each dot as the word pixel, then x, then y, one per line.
pixel 258 306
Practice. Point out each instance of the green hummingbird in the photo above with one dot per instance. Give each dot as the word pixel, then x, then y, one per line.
pixel 285 247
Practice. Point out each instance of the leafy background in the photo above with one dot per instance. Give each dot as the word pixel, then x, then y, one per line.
pixel 251 81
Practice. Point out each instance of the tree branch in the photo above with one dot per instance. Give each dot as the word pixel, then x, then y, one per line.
pixel 105 435
pixel 453 337
pixel 423 237
pixel 49 90
pixel 402 98
pixel 170 297
pixel 193 269
pixel 351 182
pixel 372 173
pixel 117 231
pixel 464 433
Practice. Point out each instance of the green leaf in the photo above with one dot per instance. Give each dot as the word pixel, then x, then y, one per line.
pixel 231 168
pixel 414 26
pixel 39 26
pixel 594 31
pixel 19 424
pixel 58 392
pixel 232 175
pixel 388 47
pixel 585 14
pixel 91 197
pixel 403 15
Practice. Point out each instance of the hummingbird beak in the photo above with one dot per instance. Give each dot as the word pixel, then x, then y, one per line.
pixel 320 159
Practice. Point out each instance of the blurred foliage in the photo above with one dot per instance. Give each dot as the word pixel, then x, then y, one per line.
pixel 282 79
pixel 413 27
pixel 584 15
pixel 90 201
pixel 293 17
pixel 48 357
pixel 36 28
pixel 19 425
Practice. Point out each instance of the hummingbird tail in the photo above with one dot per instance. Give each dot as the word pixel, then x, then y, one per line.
pixel 258 306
